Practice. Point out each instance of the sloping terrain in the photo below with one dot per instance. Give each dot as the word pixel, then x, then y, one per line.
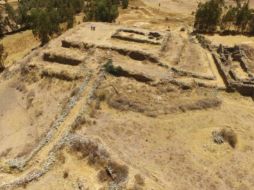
pixel 133 105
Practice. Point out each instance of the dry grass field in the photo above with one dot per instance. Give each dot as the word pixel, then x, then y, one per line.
pixel 140 104
pixel 18 45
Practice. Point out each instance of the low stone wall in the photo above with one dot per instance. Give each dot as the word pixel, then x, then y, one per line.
pixel 134 54
pixel 191 74
pixel 132 39
pixel 221 70
pixel 118 71
pixel 20 163
pixel 131 31
pixel 244 65
pixel 62 75
pixel 66 140
pixel 153 38
pixel 67 60
pixel 164 43
pixel 230 78
pixel 244 89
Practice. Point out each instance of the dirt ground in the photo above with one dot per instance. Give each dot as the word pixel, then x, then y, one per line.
pixel 181 6
pixel 138 105
pixel 230 40
pixel 177 150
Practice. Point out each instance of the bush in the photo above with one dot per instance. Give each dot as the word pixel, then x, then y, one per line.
pixel 43 24
pixel 208 16
pixel 45 16
pixel 10 11
pixel 103 10
pixel 225 135
pixel 230 136
pixel 229 18
pixel 239 18
pixel 32 14
pixel 125 4
pixel 117 172
pixel 1 25
pixel 3 56
pixel 243 16
pixel 109 67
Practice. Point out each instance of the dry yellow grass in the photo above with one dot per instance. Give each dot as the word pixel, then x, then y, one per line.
pixel 18 45
pixel 140 124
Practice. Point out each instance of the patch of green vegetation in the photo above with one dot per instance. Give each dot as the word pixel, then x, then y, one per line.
pixel 214 16
pixel 208 15
pixel 11 12
pixel 102 10
pixel 125 4
pixel 110 68
pixel 44 24
pixel 45 16
pixel 3 56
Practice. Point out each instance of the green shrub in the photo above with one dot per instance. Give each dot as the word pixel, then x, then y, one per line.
pixel 10 11
pixel 109 67
pixel 213 15
pixel 3 56
pixel 43 24
pixel 102 10
pixel 243 17
pixel 208 16
pixel 45 16
pixel 229 19
pixel 125 4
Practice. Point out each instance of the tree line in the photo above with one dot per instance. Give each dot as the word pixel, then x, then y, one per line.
pixel 45 16
pixel 215 16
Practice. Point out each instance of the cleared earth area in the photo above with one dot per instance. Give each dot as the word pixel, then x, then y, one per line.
pixel 141 104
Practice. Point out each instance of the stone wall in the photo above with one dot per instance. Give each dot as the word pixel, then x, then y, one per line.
pixel 223 59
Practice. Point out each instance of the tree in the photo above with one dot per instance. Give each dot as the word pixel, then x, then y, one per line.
pixel 251 26
pixel 102 10
pixel 240 17
pixel 78 5
pixel 11 12
pixel 208 15
pixel 229 19
pixel 43 24
pixel 70 17
pixel 125 4
pixel 45 16
pixel 3 56
pixel 244 15
pixel 1 26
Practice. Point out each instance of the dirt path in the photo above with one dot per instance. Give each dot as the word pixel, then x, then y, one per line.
pixel 37 159
pixel 64 128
